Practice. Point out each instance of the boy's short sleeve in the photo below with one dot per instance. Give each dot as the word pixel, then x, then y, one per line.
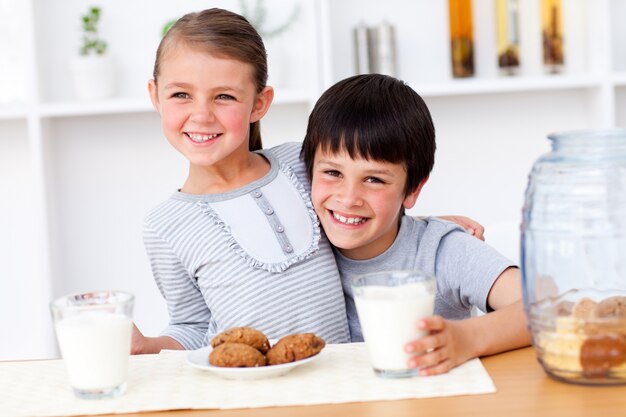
pixel 466 269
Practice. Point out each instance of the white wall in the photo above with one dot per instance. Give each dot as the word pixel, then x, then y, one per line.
pixel 105 171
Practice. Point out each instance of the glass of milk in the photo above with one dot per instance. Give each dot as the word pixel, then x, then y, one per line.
pixel 389 305
pixel 94 332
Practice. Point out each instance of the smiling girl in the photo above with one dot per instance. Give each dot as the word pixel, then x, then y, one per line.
pixel 239 244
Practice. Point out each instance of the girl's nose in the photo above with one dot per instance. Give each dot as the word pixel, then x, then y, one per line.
pixel 202 112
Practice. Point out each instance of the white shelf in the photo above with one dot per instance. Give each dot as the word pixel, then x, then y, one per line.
pixel 619 79
pixel 512 84
pixel 88 108
pixel 13 111
pixel 120 106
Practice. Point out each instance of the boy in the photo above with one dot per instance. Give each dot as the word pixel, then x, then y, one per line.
pixel 369 149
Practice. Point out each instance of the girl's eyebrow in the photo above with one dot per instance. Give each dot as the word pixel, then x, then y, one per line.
pixel 177 85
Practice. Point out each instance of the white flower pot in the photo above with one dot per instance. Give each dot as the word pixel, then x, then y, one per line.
pixel 94 77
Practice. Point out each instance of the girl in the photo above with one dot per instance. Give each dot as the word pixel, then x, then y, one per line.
pixel 239 244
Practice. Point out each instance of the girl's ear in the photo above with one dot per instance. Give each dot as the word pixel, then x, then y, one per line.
pixel 411 198
pixel 154 95
pixel 262 104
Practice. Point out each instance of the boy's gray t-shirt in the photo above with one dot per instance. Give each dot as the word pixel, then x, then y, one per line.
pixel 465 267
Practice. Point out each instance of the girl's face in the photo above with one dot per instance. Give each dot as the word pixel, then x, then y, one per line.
pixel 206 105
pixel 359 202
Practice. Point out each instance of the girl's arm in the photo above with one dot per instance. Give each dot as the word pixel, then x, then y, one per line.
pixel 471 226
pixel 141 344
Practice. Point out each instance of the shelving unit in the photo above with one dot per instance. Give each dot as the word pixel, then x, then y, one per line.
pixel 80 176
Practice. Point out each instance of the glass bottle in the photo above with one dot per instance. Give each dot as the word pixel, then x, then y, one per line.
pixel 507 26
pixel 574 257
pixel 461 38
pixel 552 33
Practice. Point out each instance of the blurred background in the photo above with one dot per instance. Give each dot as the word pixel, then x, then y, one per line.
pixel 80 166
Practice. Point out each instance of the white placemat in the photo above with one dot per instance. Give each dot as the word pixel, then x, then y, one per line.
pixel 167 382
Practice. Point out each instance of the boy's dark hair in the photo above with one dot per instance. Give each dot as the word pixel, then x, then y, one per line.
pixel 375 117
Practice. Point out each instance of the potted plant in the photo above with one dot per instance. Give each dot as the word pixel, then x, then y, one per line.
pixel 93 69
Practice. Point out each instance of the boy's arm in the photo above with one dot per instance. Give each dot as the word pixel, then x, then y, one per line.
pixel 451 343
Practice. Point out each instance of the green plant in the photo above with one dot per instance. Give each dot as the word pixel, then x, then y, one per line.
pixel 258 14
pixel 92 44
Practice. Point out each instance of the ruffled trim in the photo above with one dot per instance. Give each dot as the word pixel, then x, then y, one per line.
pixel 277 266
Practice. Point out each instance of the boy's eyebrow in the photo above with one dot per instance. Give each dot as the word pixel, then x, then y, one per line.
pixel 368 171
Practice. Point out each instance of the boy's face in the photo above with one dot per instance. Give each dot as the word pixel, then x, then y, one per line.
pixel 359 202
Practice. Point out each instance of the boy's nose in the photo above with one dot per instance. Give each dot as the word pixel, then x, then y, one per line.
pixel 350 196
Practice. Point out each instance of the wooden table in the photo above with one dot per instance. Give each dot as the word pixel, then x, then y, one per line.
pixel 523 387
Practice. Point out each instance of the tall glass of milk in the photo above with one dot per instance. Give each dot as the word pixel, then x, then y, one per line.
pixel 389 305
pixel 94 333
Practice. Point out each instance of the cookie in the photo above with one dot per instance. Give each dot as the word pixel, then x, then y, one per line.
pixel 600 353
pixel 295 347
pixel 585 308
pixel 245 335
pixel 614 307
pixel 236 355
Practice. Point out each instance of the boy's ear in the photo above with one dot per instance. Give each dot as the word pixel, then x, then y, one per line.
pixel 154 95
pixel 262 104
pixel 411 198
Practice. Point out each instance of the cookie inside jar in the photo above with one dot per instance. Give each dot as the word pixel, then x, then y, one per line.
pixel 582 338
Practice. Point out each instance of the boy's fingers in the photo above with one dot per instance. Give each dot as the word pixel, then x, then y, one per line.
pixel 432 323
pixel 426 344
pixel 432 358
pixel 440 368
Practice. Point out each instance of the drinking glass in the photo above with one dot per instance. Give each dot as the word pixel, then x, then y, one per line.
pixel 389 305
pixel 94 335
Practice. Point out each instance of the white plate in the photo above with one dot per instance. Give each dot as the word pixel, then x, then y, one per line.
pixel 200 359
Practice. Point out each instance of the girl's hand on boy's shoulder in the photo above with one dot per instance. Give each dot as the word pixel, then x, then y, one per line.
pixel 445 347
pixel 471 226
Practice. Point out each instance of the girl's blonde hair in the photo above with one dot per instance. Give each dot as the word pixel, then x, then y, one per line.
pixel 222 33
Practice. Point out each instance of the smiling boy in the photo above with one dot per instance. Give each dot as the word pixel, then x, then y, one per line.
pixel 369 149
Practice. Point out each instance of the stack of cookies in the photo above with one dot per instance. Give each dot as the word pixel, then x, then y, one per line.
pixel 589 339
pixel 240 347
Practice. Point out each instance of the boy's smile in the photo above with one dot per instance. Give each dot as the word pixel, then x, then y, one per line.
pixel 359 202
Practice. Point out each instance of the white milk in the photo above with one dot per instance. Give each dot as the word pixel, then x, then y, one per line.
pixel 95 348
pixel 389 317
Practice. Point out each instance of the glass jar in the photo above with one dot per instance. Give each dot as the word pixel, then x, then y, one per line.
pixel 574 257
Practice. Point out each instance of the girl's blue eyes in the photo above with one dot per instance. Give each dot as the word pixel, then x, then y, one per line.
pixel 187 96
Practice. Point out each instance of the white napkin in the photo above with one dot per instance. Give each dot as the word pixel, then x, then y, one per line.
pixel 166 382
